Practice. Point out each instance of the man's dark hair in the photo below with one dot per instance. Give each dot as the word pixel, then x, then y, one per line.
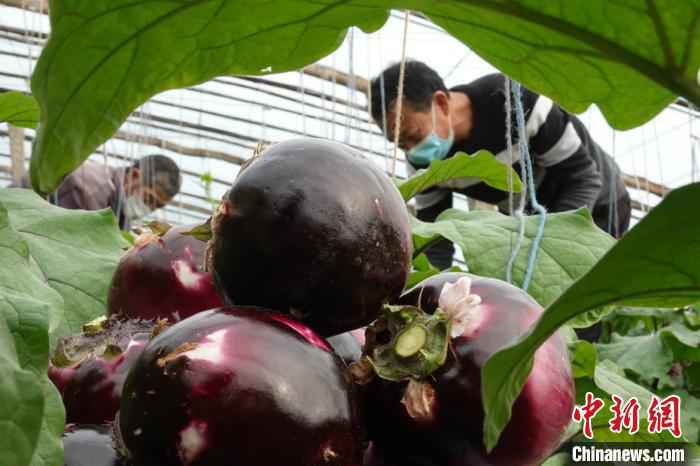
pixel 160 170
pixel 419 84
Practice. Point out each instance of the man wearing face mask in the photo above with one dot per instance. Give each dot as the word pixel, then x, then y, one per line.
pixel 131 192
pixel 570 169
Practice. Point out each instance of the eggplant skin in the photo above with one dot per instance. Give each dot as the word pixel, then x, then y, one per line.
pixel 90 445
pixel 453 437
pixel 243 386
pixel 313 229
pixel 163 278
pixel 347 346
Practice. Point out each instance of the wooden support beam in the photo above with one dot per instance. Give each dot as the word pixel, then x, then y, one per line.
pixel 33 5
pixel 16 152
pixel 630 180
pixel 180 149
pixel 639 182
pixel 339 77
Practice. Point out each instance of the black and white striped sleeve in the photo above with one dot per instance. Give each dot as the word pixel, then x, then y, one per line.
pixel 555 145
pixel 551 133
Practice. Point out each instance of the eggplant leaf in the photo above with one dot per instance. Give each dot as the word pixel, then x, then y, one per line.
pixel 56 268
pixel 31 411
pixel 584 358
pixel 482 165
pixel 654 265
pixel 576 52
pixel 75 252
pixel 646 355
pixel 18 109
pixel 571 245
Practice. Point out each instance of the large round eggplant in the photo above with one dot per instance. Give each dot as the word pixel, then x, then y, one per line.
pixel 162 277
pixel 239 385
pixel 315 230
pixel 438 421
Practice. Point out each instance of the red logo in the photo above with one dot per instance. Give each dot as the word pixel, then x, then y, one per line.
pixel 625 415
pixel 587 412
pixel 665 415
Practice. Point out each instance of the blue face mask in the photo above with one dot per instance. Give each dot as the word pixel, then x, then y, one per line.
pixel 432 147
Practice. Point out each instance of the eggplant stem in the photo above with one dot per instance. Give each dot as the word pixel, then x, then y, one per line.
pixel 411 341
pixel 95 326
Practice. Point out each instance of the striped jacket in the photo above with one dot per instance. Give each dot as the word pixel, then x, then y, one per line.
pixel 570 169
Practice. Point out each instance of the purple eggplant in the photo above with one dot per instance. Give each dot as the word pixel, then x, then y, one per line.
pixel 243 386
pixel 438 420
pixel 89 369
pixel 163 277
pixel 315 230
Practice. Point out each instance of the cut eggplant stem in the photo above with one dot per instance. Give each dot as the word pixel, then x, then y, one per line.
pixel 111 351
pixel 94 326
pixel 410 341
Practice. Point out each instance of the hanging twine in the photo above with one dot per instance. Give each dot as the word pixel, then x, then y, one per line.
pixel 612 201
pixel 519 213
pixel 509 144
pixel 382 93
pixel 369 98
pixel 303 102
pixel 399 94
pixel 333 100
pixel 526 169
pixel 351 84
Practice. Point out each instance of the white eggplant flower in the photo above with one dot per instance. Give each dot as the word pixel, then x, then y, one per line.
pixel 461 307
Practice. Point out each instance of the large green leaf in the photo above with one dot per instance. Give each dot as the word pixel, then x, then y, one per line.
pixel 690 415
pixel 584 358
pixel 31 412
pixel 482 165
pixel 683 342
pixel 692 316
pixel 631 58
pixel 655 264
pixel 646 355
pixel 131 50
pixel 19 109
pixel 56 267
pixel 50 444
pixel 422 269
pixel 571 245
pixel 75 251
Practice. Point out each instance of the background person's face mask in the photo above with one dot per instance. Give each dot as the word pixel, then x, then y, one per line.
pixel 135 208
pixel 432 147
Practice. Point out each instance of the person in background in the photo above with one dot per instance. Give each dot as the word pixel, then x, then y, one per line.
pixel 131 192
pixel 570 169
